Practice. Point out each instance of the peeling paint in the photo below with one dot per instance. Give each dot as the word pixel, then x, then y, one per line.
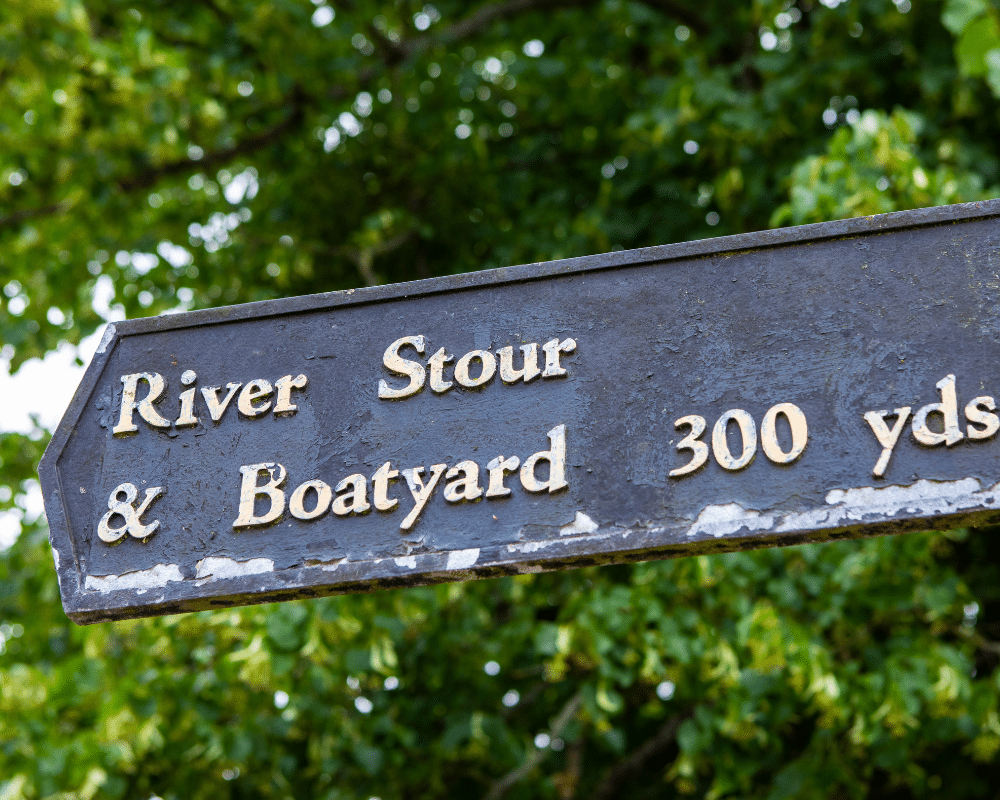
pixel 923 498
pixel 528 547
pixel 410 562
pixel 462 559
pixel 581 524
pixel 55 557
pixel 213 568
pixel 153 578
pixel 334 565
pixel 729 518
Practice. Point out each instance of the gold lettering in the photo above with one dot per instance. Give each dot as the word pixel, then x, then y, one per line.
pixel 556 456
pixel 253 391
pixel 464 477
pixel 886 437
pixel 250 490
pixel 487 372
pixel 437 363
pixel 283 403
pixel 402 366
pixel 144 407
pixel 948 409
pixel 297 504
pixel 748 432
pixel 217 408
pixel 529 372
pixel 769 438
pixel 352 496
pixel 186 418
pixel 699 450
pixel 380 487
pixel 978 412
pixel 499 467
pixel 552 350
pixel 421 491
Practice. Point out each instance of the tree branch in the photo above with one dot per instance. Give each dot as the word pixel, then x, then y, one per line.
pixel 685 15
pixel 536 756
pixel 618 774
pixel 481 19
pixel 983 643
pixel 489 14
pixel 364 257
pixel 392 52
pixel 17 217
pixel 148 177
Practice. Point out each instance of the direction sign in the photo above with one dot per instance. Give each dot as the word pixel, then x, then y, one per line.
pixel 774 388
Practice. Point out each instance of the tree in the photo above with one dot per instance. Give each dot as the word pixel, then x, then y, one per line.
pixel 172 156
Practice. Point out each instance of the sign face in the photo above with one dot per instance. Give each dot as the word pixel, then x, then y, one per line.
pixel 775 388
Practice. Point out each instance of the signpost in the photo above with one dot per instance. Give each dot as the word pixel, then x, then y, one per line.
pixel 790 386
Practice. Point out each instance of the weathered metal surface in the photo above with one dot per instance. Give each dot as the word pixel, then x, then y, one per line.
pixel 691 398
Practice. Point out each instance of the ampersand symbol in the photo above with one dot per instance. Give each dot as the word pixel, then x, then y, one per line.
pixel 124 509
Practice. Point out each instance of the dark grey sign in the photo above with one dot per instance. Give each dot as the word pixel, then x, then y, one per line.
pixel 774 388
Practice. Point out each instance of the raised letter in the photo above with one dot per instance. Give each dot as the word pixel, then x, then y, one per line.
pixel 769 438
pixel 187 418
pixel 462 368
pixel 421 491
pixel 402 366
pixel 437 362
pixel 948 409
pixel 530 371
pixel 748 432
pixel 144 406
pixel 297 502
pixel 354 501
pixel 132 516
pixel 699 450
pixel 978 413
pixel 283 404
pixel 254 390
pixel 552 350
pixel 499 467
pixel 556 456
pixel 887 438
pixel 465 487
pixel 249 491
pixel 216 408
pixel 380 487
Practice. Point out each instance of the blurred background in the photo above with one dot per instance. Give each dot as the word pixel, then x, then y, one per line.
pixel 160 156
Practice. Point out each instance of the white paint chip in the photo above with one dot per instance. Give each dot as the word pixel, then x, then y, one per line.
pixel 410 562
pixel 529 547
pixel 462 559
pixel 581 524
pixel 221 568
pixel 729 518
pixel 153 578
pixel 845 506
pixel 922 496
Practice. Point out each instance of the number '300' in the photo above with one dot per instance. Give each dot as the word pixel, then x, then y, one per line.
pixel 769 443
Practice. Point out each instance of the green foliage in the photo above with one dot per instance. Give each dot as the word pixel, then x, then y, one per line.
pixel 822 670
pixel 976 26
pixel 180 155
pixel 873 166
